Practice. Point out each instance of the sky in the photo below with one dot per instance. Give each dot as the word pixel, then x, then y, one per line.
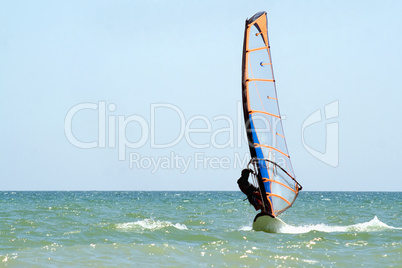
pixel 130 95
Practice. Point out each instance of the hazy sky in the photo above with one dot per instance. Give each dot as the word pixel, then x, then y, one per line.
pixel 144 95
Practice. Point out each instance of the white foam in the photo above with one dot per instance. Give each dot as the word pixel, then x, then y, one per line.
pixel 246 228
pixel 374 225
pixel 150 224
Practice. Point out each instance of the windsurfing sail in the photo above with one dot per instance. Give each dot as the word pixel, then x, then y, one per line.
pixel 269 153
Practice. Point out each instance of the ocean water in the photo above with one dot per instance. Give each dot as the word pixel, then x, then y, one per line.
pixel 197 229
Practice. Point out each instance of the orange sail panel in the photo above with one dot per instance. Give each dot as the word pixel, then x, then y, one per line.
pixel 263 121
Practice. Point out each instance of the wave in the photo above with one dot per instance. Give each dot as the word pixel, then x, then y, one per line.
pixel 246 228
pixel 374 225
pixel 149 224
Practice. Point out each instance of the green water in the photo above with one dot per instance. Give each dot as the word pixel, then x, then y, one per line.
pixel 196 229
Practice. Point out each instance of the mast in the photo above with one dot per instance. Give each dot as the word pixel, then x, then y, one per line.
pixel 248 122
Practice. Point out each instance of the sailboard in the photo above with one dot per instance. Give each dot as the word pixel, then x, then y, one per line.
pixel 270 160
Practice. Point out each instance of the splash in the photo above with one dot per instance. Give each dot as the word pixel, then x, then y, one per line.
pixel 246 228
pixel 149 224
pixel 375 225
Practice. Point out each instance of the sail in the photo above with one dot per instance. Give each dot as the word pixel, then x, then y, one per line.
pixel 270 156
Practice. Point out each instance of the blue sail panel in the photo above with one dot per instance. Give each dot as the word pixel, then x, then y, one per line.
pixel 262 167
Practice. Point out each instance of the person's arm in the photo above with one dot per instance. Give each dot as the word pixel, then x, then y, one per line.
pixel 245 186
pixel 245 173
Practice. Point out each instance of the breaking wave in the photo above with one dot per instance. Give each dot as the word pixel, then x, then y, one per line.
pixel 149 224
pixel 374 225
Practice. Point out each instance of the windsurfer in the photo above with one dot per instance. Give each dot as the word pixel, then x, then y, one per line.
pixel 252 192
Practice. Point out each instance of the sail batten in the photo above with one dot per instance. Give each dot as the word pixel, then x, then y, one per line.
pixel 267 143
pixel 258 48
pixel 262 112
pixel 259 79
pixel 272 148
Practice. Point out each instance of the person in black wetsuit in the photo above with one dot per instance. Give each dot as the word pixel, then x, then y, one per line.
pixel 252 192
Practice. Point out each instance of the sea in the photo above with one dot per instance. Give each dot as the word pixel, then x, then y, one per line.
pixel 197 229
